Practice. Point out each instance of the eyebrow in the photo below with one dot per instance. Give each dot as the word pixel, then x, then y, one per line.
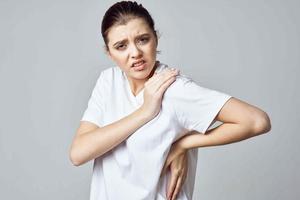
pixel 139 36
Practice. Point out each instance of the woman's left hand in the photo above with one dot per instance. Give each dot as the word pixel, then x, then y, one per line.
pixel 177 161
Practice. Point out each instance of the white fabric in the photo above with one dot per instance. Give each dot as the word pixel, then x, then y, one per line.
pixel 132 169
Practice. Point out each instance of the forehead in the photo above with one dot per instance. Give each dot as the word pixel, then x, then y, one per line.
pixel 133 27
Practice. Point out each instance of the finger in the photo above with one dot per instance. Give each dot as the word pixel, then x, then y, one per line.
pixel 180 181
pixel 184 174
pixel 157 75
pixel 171 185
pixel 185 171
pixel 165 85
pixel 162 77
pixel 163 171
pixel 177 188
pixel 166 166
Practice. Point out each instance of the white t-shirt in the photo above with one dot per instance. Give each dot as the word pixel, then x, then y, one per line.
pixel 132 169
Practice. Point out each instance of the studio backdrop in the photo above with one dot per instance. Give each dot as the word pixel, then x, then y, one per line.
pixel 51 53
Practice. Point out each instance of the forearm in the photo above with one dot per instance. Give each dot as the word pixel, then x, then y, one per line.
pixel 95 143
pixel 226 133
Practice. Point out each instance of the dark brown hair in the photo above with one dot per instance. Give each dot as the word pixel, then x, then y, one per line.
pixel 122 12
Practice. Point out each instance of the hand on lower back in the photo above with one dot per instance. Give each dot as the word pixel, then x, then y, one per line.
pixel 177 163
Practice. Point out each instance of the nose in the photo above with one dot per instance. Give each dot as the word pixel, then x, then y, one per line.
pixel 135 52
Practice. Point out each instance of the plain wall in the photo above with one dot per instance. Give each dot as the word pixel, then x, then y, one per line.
pixel 51 53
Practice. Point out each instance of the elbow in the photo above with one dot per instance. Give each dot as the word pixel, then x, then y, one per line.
pixel 75 158
pixel 262 124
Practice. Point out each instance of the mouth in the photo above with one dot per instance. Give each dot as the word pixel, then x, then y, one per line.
pixel 139 65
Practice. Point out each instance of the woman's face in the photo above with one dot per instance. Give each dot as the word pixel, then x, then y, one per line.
pixel 133 48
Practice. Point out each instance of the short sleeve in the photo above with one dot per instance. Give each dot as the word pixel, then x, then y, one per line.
pixel 196 106
pixel 95 109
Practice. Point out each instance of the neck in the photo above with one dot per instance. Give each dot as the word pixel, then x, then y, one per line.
pixel 137 85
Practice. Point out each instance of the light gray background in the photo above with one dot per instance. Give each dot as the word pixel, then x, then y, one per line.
pixel 51 55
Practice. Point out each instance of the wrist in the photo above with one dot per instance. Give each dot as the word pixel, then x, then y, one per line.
pixel 187 141
pixel 181 145
pixel 143 116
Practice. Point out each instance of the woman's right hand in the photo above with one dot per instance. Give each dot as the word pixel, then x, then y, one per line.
pixel 154 89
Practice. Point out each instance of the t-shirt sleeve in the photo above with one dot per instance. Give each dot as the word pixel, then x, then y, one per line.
pixel 95 109
pixel 196 106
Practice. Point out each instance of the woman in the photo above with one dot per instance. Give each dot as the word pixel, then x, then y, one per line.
pixel 143 121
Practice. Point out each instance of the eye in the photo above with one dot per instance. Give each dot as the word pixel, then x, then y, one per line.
pixel 121 47
pixel 143 40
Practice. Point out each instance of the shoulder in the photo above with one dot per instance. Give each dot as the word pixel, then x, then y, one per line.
pixel 110 72
pixel 107 79
pixel 108 75
pixel 181 79
pixel 181 85
pixel 186 88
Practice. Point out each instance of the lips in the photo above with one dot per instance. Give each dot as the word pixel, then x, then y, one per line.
pixel 138 63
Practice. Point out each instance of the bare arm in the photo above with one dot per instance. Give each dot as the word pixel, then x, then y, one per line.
pixel 240 121
pixel 92 141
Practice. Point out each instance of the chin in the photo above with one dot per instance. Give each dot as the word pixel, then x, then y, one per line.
pixel 140 75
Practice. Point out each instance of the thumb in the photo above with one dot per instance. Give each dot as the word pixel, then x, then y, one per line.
pixel 164 168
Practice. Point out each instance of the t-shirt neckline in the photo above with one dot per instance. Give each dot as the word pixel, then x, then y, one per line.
pixel 128 88
pixel 138 97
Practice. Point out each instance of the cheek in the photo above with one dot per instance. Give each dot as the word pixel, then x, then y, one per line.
pixel 119 57
pixel 152 48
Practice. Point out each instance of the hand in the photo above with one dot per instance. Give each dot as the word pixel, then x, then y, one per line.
pixel 177 161
pixel 154 89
